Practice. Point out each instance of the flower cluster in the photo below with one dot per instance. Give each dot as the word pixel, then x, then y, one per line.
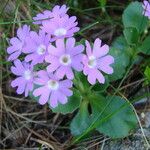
pixel 146 7
pixel 55 49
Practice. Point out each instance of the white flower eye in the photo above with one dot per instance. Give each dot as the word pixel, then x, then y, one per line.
pixel 41 49
pixel 92 62
pixel 27 74
pixel 60 32
pixel 65 60
pixel 53 85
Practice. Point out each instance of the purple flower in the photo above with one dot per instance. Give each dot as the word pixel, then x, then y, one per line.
pixel 52 90
pixel 60 27
pixel 24 81
pixel 36 47
pixel 64 57
pixel 146 7
pixel 47 14
pixel 18 43
pixel 97 61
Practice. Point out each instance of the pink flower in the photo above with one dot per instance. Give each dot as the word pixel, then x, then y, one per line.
pixel 36 47
pixel 146 7
pixel 65 57
pixel 18 43
pixel 96 61
pixel 52 90
pixel 60 27
pixel 25 74
pixel 47 14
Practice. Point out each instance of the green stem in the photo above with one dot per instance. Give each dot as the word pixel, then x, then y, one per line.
pixel 78 85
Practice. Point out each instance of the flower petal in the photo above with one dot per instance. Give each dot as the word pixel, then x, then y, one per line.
pixel 53 100
pixel 44 96
pixel 88 48
pixel 104 62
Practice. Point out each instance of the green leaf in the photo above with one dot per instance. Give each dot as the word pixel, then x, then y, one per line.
pixel 102 3
pixel 147 73
pixel 82 41
pixel 121 52
pixel 72 104
pixel 131 34
pixel 121 61
pixel 117 124
pixel 112 116
pixel 133 17
pixel 81 121
pixel 145 47
pixel 120 43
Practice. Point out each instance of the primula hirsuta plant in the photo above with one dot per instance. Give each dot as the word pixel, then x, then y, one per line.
pixel 55 47
pixel 54 68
